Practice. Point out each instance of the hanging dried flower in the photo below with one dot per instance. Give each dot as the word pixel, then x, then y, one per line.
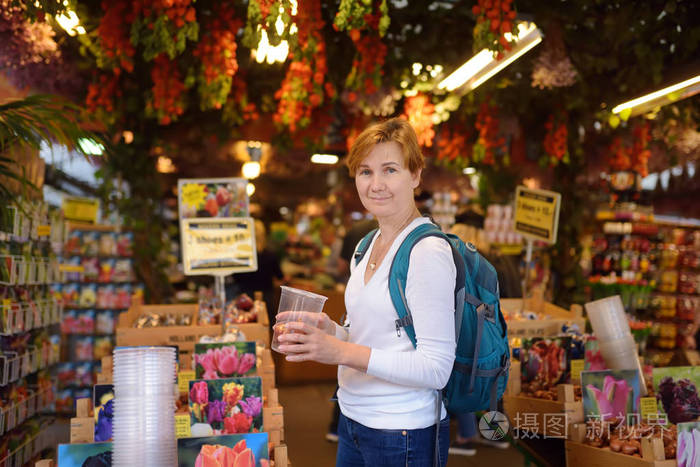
pixel 553 68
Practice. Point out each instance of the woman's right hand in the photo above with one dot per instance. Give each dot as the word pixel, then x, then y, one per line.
pixel 319 320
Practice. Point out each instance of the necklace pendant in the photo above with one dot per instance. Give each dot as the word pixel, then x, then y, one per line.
pixel 372 266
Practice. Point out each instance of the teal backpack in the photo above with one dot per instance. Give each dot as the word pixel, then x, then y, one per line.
pixel 480 370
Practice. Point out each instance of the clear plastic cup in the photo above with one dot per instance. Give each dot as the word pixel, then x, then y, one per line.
pixel 294 300
pixel 608 318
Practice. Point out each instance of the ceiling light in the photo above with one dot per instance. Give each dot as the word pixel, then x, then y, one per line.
pixel 661 97
pixel 251 170
pixel 91 147
pixel 70 22
pixel 165 165
pixel 324 158
pixel 483 65
pixel 469 171
pixel 250 189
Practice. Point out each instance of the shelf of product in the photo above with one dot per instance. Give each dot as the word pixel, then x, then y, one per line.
pixel 30 245
pixel 654 265
pixel 538 318
pixel 99 285
pixel 182 325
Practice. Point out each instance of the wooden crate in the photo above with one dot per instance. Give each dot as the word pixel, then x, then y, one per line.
pixel 583 455
pixel 517 405
pixel 183 336
pixel 552 318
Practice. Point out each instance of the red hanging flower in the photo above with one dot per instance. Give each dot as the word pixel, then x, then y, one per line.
pixel 167 101
pixel 640 149
pixel 113 33
pixel 217 52
pixel 494 18
pixel 489 143
pixel 555 145
pixel 452 145
pixel 304 87
pixel 419 111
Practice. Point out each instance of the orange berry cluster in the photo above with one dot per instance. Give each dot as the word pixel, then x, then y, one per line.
pixel 452 144
pixel 640 149
pixel 419 111
pixel 180 12
pixel 367 66
pixel 555 140
pixel 304 84
pixel 619 155
pixel 114 34
pixel 101 95
pixel 494 18
pixel 217 53
pixel 489 134
pixel 167 102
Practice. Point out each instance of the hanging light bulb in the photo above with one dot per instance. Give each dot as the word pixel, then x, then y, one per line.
pixel 250 189
pixel 251 169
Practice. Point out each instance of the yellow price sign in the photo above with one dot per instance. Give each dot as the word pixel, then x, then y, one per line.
pixel 537 214
pixel 81 209
pixel 576 369
pixel 43 230
pixel 183 380
pixel 182 425
pixel 647 407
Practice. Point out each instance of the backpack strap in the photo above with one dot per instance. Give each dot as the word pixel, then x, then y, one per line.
pixel 363 246
pixel 398 274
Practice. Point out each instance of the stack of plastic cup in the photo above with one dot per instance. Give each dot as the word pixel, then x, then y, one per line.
pixel 144 407
pixel 615 340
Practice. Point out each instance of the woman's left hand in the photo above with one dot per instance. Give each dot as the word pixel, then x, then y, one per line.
pixel 302 342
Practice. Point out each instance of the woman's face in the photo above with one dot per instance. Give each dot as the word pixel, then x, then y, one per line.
pixel 384 183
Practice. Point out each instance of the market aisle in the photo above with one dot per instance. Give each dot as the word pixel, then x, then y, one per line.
pixel 307 413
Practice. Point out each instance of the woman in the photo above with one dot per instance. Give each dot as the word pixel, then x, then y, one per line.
pixel 387 388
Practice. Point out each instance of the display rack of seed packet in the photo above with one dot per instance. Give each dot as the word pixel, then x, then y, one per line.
pixel 99 283
pixel 30 244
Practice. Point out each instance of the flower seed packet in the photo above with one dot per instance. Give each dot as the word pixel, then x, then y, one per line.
pixel 545 362
pixel 676 391
pixel 611 394
pixel 593 359
pixel 224 359
pixel 103 400
pixel 225 406
pixel 249 449
pixel 688 448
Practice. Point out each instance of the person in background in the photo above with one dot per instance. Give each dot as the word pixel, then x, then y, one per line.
pixel 388 390
pixel 264 279
pixel 469 228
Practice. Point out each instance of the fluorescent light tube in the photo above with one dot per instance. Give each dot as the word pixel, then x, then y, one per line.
pixel 483 65
pixel 324 158
pixel 686 88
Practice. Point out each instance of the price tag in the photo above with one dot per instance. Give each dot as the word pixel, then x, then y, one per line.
pixel 183 380
pixel 576 369
pixel 6 302
pixel 647 407
pixel 182 425
pixel 43 230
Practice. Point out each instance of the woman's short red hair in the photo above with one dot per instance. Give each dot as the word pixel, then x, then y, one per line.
pixel 395 129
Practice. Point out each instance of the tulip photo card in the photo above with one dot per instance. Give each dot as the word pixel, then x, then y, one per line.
pixel 688 449
pixel 79 455
pixel 545 362
pixel 676 391
pixel 103 400
pixel 224 359
pixel 226 406
pixel 244 450
pixel 610 394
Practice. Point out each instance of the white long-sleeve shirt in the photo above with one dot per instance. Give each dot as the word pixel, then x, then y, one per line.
pixel 399 389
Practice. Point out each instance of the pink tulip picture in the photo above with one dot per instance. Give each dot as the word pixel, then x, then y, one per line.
pixel 688 454
pixel 224 360
pixel 610 394
pixel 234 450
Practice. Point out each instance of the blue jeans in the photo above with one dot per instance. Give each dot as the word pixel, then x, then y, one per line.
pixel 466 424
pixel 361 446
